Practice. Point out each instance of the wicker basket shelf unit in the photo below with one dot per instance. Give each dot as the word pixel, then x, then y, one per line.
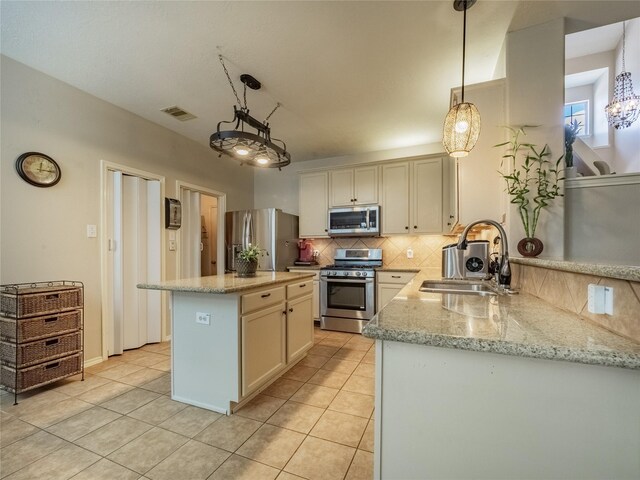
pixel 41 333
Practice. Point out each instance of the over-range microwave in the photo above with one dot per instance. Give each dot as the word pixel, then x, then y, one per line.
pixel 363 221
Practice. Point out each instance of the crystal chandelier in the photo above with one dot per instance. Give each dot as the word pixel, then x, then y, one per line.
pixel 248 147
pixel 462 123
pixel 624 108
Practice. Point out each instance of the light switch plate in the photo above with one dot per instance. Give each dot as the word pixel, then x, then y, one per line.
pixel 92 231
pixel 600 299
pixel 409 253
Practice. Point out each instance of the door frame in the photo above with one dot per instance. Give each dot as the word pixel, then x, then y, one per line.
pixel 105 167
pixel 221 197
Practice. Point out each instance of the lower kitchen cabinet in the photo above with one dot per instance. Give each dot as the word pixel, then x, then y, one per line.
pixel 299 329
pixel 245 342
pixel 315 294
pixel 389 285
pixel 263 346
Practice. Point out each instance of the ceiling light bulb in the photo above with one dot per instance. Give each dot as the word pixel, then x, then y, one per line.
pixel 462 126
pixel 241 150
pixel 262 160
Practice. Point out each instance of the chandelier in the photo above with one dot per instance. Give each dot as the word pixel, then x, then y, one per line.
pixel 250 140
pixel 462 123
pixel 624 108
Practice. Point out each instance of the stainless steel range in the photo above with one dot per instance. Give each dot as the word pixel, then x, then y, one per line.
pixel 347 289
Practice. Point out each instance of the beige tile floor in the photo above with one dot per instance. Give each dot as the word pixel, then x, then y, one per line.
pixel 316 422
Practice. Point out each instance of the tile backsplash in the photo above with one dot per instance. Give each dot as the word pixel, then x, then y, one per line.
pixel 427 249
pixel 568 291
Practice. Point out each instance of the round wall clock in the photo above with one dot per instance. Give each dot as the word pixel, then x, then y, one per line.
pixel 38 169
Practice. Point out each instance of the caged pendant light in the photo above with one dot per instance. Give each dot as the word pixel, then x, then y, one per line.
pixel 624 108
pixel 462 123
pixel 256 149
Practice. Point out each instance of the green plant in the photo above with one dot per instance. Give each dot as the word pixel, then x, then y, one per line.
pixel 251 253
pixel 533 184
pixel 571 131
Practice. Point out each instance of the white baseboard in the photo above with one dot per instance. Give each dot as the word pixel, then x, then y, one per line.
pixel 92 361
pixel 167 338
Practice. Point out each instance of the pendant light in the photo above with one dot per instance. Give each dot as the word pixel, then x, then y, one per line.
pixel 462 124
pixel 624 108
pixel 256 149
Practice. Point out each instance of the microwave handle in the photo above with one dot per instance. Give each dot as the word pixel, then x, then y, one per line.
pixel 368 224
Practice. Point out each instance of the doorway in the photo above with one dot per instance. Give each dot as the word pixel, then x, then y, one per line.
pixel 201 236
pixel 131 253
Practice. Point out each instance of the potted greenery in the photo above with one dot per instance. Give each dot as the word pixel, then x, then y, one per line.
pixel 247 260
pixel 532 185
pixel 571 131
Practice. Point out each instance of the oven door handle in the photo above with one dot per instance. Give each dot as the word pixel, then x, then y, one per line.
pixel 347 280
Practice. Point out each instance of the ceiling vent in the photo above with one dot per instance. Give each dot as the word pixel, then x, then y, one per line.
pixel 178 113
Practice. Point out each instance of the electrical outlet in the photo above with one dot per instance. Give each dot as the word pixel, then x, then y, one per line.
pixel 203 318
pixel 92 231
pixel 172 245
pixel 409 253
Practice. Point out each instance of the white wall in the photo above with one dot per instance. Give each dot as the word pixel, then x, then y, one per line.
pixel 43 230
pixel 535 96
pixel 627 141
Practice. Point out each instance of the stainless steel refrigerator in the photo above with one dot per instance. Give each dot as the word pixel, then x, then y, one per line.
pixel 270 229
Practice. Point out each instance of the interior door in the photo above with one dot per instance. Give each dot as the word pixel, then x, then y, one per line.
pixel 190 234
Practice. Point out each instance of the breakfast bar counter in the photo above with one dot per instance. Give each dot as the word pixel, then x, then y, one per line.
pixel 501 387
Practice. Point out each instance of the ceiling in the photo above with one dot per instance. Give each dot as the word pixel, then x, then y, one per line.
pixel 352 77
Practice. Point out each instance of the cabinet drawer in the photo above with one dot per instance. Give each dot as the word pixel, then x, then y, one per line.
pixel 30 329
pixel 301 288
pixel 395 277
pixel 40 351
pixel 41 374
pixel 40 301
pixel 262 299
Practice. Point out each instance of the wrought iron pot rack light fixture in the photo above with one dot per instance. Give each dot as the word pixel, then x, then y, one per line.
pixel 462 124
pixel 256 149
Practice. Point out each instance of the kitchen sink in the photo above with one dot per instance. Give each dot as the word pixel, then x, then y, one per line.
pixel 457 287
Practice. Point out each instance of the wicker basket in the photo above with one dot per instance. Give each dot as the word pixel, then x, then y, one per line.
pixel 246 268
pixel 30 329
pixel 39 301
pixel 41 374
pixel 40 351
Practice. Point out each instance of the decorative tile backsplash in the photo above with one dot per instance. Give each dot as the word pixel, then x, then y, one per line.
pixel 427 249
pixel 568 291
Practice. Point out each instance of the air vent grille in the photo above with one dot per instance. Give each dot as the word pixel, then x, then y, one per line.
pixel 178 113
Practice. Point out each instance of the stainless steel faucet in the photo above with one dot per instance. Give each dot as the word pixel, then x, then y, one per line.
pixel 503 277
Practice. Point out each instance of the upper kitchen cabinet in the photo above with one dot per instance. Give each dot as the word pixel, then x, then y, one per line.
pixel 353 186
pixel 415 196
pixel 313 204
pixel 480 186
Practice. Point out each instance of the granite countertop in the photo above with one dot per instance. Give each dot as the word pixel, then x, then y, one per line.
pixel 519 325
pixel 621 272
pixel 397 269
pixel 228 283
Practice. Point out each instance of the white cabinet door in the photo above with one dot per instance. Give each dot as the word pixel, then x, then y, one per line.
pixel 426 196
pixel 314 204
pixel 341 188
pixel 395 198
pixel 365 185
pixel 299 327
pixel 385 293
pixel 263 346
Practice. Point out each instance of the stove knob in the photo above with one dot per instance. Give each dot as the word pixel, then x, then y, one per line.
pixel 358 273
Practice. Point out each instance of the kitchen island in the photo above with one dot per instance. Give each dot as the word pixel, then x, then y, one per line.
pixel 232 337
pixel 501 387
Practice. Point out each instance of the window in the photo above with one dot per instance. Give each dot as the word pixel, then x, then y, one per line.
pixel 578 111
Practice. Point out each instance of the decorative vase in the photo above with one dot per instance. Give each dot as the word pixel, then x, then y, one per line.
pixel 530 247
pixel 246 268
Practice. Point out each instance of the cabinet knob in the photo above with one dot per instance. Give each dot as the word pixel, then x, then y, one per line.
pixel 449 223
pixel 415 226
pixel 291 310
pixel 355 199
pixel 406 228
pixel 450 216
